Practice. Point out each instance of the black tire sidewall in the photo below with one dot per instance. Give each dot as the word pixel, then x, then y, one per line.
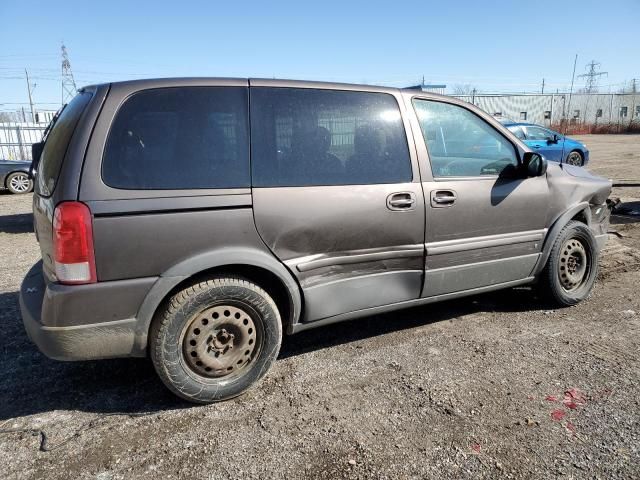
pixel 582 233
pixel 166 342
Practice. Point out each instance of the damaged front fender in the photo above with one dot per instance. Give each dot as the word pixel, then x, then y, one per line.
pixel 575 194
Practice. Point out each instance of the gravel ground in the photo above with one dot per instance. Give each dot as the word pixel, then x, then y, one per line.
pixel 485 387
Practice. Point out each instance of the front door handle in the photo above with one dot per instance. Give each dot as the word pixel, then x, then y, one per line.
pixel 401 201
pixel 443 198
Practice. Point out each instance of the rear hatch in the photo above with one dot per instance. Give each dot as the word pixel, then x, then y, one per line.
pixel 48 171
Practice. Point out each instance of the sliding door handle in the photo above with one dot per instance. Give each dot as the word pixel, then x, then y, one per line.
pixel 401 201
pixel 443 198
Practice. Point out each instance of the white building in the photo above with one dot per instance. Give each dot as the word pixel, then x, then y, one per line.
pixel 548 109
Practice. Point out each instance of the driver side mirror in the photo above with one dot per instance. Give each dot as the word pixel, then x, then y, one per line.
pixel 533 164
pixel 552 140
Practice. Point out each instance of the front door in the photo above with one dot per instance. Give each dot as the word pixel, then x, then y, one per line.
pixel 485 223
pixel 337 196
pixel 541 140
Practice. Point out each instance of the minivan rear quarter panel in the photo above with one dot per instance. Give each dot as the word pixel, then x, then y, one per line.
pixel 171 224
pixel 68 177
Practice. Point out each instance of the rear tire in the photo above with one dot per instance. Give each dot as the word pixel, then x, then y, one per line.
pixel 572 267
pixel 215 339
pixel 19 182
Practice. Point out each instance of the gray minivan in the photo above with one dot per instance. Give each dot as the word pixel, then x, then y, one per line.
pixel 196 220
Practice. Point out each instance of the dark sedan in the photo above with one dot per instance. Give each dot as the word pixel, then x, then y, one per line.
pixel 14 176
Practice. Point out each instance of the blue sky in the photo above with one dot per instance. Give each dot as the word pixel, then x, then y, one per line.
pixel 494 46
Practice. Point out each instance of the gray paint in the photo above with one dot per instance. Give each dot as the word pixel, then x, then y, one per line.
pixel 300 327
pixel 439 281
pixel 335 222
pixel 72 305
pixel 339 251
pixel 364 291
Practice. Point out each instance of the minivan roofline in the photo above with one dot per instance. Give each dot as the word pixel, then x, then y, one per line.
pixel 261 82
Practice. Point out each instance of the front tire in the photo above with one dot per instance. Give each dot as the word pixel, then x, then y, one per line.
pixel 215 339
pixel 19 182
pixel 572 267
pixel 575 158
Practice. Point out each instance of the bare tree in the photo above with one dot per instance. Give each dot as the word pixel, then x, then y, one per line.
pixel 463 89
pixel 8 117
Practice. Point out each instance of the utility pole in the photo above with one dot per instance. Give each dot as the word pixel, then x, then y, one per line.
pixel 33 113
pixel 592 75
pixel 542 86
pixel 573 76
pixel 69 88
pixel 633 99
pixel 473 96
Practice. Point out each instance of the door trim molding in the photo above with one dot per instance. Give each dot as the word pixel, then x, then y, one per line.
pixel 474 243
pixel 306 264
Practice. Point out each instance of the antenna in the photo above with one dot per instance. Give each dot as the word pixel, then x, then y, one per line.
pixel 69 88
pixel 592 76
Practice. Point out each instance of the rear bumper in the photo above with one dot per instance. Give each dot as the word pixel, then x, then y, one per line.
pixel 71 323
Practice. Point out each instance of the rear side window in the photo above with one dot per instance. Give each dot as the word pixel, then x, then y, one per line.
pixel 179 138
pixel 57 141
pixel 326 137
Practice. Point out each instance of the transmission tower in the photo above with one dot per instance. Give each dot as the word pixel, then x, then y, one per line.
pixel 592 76
pixel 68 83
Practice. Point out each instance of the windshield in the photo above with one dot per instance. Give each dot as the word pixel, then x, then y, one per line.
pixel 56 143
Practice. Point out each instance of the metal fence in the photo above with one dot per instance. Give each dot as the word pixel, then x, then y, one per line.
pixel 588 110
pixel 16 139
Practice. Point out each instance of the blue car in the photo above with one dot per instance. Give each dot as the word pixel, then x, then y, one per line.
pixel 550 144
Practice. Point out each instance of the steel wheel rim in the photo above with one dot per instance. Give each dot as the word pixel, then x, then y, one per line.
pixel 220 341
pixel 19 183
pixel 574 265
pixel 574 159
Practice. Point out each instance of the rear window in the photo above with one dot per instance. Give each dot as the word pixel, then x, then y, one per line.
pixel 306 137
pixel 179 138
pixel 55 147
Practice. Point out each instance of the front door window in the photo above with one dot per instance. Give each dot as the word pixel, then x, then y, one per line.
pixel 461 144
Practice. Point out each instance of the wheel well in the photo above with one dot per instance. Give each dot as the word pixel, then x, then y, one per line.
pixel 265 279
pixel 580 217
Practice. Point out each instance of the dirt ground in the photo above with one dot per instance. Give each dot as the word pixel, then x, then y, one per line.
pixel 485 387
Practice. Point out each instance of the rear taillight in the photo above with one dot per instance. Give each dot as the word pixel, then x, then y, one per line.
pixel 73 243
